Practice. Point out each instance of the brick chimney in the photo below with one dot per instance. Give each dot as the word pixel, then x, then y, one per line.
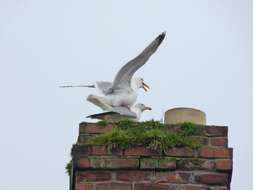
pixel 138 168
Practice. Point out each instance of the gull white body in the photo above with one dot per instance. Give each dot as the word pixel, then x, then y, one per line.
pixel 126 99
pixel 121 98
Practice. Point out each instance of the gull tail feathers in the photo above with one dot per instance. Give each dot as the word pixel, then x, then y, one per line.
pixel 73 86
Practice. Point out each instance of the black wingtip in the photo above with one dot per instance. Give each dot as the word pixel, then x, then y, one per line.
pixel 161 37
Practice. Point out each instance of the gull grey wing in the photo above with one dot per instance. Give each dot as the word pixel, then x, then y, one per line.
pixel 104 87
pixel 101 115
pixel 110 116
pixel 123 77
pixel 124 111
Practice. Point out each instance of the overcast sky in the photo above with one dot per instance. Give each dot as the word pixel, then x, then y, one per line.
pixel 205 62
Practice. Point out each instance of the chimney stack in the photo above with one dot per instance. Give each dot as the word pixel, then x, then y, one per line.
pixel 139 168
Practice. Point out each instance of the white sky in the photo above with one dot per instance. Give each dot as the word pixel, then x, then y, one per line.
pixel 205 62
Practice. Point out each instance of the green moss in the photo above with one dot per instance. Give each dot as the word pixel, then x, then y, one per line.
pixel 151 134
pixel 188 128
pixel 68 167
pixel 103 123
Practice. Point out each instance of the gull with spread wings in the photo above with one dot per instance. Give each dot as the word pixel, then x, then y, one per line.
pixel 123 91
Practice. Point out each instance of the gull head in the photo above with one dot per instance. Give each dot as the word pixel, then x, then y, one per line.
pixel 138 82
pixel 142 107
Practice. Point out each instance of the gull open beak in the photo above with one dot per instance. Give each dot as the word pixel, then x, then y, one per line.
pixel 145 86
pixel 147 108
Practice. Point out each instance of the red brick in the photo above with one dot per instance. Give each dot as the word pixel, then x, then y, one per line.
pixel 80 150
pixel 219 141
pixel 167 163
pixel 140 151
pixel 190 187
pixel 195 163
pixel 172 177
pixel 94 128
pixel 113 186
pixel 85 138
pixel 83 186
pixel 212 179
pixel 133 175
pixel 147 186
pixel 114 163
pixel 99 150
pixel 94 176
pixel 219 188
pixel 208 152
pixel 223 165
pixel 83 163
pixel 223 153
pixel 149 163
pixel 182 152
pixel 200 140
pixel 103 150
pixel 216 131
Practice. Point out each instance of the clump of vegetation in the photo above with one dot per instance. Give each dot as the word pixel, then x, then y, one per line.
pixel 68 167
pixel 103 123
pixel 151 134
pixel 188 128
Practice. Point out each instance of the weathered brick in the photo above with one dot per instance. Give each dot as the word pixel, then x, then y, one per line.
pixel 99 150
pixel 219 141
pixel 83 163
pixel 93 176
pixel 212 179
pixel 194 163
pixel 200 140
pixel 167 163
pixel 114 163
pixel 216 131
pixel 140 151
pixel 218 188
pixel 80 150
pixel 180 152
pixel 172 177
pixel 83 186
pixel 147 186
pixel 133 175
pixel 114 186
pixel 223 165
pixel 83 138
pixel 103 150
pixel 191 187
pixel 149 163
pixel 93 128
pixel 208 152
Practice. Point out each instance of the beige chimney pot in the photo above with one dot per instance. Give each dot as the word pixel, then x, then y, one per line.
pixel 182 114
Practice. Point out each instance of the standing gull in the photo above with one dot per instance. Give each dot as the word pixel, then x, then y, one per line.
pixel 122 113
pixel 122 92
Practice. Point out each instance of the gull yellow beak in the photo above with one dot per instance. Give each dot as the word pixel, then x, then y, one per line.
pixel 145 86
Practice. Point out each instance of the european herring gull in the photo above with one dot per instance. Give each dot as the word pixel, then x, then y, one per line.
pixel 122 92
pixel 121 113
